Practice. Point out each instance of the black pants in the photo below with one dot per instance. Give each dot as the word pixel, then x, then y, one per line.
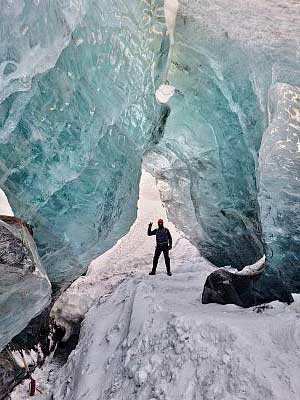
pixel 158 251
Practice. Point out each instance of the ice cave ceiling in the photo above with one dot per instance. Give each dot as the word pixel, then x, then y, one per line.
pixel 78 111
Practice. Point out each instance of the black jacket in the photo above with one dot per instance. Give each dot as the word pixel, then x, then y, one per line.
pixel 163 236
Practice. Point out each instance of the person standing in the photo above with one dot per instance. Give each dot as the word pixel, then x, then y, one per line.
pixel 163 245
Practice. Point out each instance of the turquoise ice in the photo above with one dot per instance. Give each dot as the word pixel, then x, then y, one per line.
pixel 78 111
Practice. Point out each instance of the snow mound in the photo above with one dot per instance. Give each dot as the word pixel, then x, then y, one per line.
pixel 164 93
pixel 250 270
pixel 153 339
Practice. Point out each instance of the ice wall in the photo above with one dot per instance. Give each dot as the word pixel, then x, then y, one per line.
pixel 279 182
pixel 25 287
pixel 77 112
pixel 230 60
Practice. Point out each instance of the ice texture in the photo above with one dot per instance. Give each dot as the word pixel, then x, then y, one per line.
pixel 279 182
pixel 78 112
pixel 229 61
pixel 25 289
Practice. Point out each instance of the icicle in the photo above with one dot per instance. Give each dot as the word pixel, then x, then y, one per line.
pixel 166 91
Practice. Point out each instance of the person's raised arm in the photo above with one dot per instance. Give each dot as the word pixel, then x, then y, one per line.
pixel 150 232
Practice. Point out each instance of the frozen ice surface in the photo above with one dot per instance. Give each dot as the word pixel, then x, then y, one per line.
pixel 279 182
pixel 25 289
pixel 233 64
pixel 78 112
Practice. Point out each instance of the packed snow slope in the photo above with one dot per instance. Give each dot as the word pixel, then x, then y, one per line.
pixel 78 111
pixel 150 338
pixel 153 339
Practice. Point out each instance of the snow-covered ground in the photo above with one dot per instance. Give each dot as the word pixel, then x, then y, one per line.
pixel 153 339
pixel 150 338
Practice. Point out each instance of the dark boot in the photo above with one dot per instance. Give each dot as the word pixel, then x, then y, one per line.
pixel 152 273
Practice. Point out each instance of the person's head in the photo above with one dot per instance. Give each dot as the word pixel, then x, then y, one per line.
pixel 160 223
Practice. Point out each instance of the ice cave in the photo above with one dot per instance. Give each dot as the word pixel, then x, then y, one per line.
pixel 114 113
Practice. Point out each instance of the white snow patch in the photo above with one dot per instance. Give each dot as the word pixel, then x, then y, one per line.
pixel 164 93
pixel 250 270
pixel 153 339
pixel 5 208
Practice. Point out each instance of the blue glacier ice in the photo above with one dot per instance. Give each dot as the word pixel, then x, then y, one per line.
pixel 75 124
pixel 220 171
pixel 279 182
pixel 78 113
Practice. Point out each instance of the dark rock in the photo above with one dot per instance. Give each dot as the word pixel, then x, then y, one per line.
pixel 224 287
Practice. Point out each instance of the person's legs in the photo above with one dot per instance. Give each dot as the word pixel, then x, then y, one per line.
pixel 167 260
pixel 155 260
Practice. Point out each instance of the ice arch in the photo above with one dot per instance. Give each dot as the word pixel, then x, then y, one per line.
pixel 78 112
